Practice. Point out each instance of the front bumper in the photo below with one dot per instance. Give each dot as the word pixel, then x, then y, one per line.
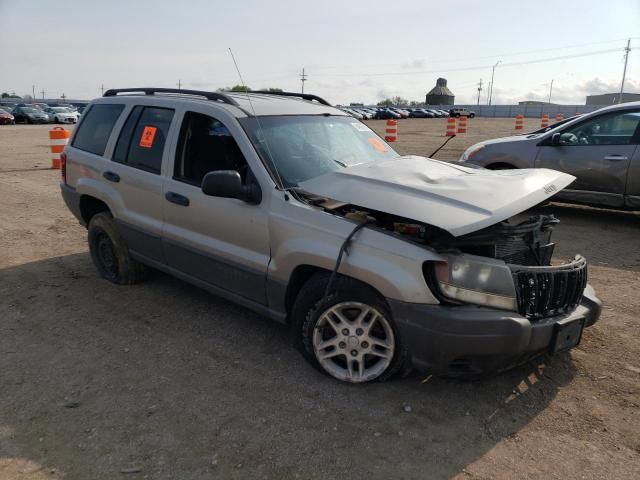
pixel 470 340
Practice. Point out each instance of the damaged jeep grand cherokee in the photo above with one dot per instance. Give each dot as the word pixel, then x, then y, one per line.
pixel 278 201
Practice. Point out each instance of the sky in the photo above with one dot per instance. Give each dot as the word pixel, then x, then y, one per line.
pixel 351 50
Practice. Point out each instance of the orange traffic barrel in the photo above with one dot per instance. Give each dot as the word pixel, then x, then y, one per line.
pixel 451 127
pixel 544 123
pixel 519 122
pixel 391 131
pixel 58 138
pixel 462 125
pixel 559 117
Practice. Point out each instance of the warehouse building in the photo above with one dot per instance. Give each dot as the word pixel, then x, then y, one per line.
pixel 612 98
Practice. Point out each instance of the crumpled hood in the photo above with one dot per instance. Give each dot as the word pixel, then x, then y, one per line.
pixel 457 199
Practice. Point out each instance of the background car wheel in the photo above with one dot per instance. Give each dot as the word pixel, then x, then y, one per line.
pixel 349 335
pixel 110 254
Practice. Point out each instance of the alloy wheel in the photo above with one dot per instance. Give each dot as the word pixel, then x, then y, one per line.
pixel 353 342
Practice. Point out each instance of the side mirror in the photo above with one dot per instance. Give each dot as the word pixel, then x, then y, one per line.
pixel 555 139
pixel 228 184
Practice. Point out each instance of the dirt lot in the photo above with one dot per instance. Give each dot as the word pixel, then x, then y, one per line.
pixel 162 380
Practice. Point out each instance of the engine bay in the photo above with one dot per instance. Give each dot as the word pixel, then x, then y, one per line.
pixel 517 241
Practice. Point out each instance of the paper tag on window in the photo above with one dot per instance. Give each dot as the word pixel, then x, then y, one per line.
pixel 148 134
pixel 377 144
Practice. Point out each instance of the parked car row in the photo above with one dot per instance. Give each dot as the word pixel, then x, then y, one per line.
pixel 39 113
pixel 385 113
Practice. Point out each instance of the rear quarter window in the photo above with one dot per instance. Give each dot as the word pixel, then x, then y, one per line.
pixel 96 127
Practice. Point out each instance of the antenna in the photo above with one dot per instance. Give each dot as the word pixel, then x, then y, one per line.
pixel 266 143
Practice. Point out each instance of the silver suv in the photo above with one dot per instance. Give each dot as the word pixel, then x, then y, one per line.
pixel 286 205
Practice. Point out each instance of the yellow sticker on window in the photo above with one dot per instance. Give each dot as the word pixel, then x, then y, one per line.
pixel 377 144
pixel 148 134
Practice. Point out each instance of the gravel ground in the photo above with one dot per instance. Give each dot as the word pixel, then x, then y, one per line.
pixel 162 380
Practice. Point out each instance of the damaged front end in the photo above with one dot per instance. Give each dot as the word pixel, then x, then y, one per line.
pixel 540 289
pixel 505 266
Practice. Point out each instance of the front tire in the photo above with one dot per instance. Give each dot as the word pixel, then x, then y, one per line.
pixel 349 335
pixel 110 254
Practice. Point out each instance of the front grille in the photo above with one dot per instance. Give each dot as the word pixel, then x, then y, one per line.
pixel 547 291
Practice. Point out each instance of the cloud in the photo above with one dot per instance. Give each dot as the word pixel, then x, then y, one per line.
pixel 415 64
pixel 567 94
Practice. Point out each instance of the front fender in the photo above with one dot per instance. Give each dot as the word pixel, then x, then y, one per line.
pixel 303 235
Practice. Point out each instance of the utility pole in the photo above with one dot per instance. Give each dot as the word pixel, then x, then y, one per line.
pixel 479 90
pixel 102 90
pixel 63 97
pixel 33 91
pixel 550 90
pixel 179 85
pixel 493 72
pixel 42 93
pixel 624 72
pixel 303 78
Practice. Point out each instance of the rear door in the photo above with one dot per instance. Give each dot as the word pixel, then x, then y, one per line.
pixel 135 171
pixel 221 241
pixel 598 152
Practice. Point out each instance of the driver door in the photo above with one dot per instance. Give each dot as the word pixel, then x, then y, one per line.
pixel 597 152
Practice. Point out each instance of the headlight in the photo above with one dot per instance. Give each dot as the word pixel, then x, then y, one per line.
pixel 471 152
pixel 478 280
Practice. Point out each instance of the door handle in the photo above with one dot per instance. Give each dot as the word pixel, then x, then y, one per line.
pixel 616 158
pixel 111 176
pixel 177 199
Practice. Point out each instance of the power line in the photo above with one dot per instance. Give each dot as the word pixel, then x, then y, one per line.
pixel 464 69
pixel 498 55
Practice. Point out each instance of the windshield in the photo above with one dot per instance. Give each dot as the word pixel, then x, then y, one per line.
pixel 60 109
pixel 304 147
pixel 30 110
pixel 552 126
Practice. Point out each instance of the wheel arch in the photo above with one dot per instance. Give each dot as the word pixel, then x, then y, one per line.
pixel 501 166
pixel 90 206
pixel 303 273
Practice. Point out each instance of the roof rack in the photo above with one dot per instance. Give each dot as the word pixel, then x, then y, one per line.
pixel 215 96
pixel 304 96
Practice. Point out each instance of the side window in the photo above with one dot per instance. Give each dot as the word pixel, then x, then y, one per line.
pixel 142 138
pixel 617 128
pixel 96 126
pixel 206 145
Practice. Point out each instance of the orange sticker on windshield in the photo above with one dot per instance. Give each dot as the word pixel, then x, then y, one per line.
pixel 148 134
pixel 377 144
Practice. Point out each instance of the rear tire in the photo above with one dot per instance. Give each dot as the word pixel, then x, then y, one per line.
pixel 367 345
pixel 110 254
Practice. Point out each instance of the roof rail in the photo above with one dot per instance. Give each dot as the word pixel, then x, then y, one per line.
pixel 304 96
pixel 215 96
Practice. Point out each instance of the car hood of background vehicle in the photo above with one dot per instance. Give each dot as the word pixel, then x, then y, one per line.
pixel 457 199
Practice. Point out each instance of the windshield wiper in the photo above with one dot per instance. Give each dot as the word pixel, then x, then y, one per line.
pixel 342 164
